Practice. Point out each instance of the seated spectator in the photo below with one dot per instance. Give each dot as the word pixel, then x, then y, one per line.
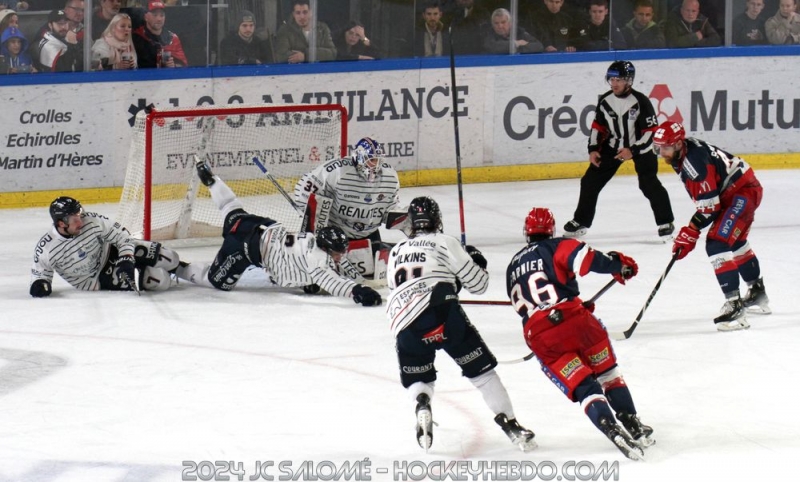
pixel 114 49
pixel 642 32
pixel 157 47
pixel 431 39
pixel 352 43
pixel 103 15
pixel 8 18
pixel 244 47
pixel 74 11
pixel 600 32
pixel 13 49
pixel 55 53
pixel 686 27
pixel 291 43
pixel 784 27
pixel 498 40
pixel 468 25
pixel 748 27
pixel 555 27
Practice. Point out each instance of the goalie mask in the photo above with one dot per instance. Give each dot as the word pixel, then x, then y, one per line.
pixel 63 207
pixel 539 224
pixel 332 239
pixel 425 215
pixel 367 158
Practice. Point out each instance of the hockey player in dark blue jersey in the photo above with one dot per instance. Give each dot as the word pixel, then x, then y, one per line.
pixel 570 343
pixel 726 194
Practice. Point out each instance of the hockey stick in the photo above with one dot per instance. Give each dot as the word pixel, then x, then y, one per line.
pixel 457 140
pixel 590 301
pixel 274 181
pixel 627 333
pixel 125 279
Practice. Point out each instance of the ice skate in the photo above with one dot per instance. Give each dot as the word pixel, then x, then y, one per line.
pixel 641 434
pixel 424 421
pixel 204 172
pixel 574 230
pixel 622 440
pixel 665 232
pixel 519 435
pixel 732 316
pixel 756 300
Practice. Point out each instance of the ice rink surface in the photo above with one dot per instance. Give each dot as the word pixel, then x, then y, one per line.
pixel 115 387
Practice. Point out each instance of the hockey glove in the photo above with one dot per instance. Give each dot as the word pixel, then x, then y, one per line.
pixel 41 288
pixel 366 296
pixel 476 256
pixel 124 269
pixel 685 241
pixel 628 267
pixel 311 289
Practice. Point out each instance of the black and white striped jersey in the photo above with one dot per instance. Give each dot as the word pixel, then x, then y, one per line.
pixel 295 260
pixel 416 265
pixel 621 122
pixel 80 259
pixel 359 206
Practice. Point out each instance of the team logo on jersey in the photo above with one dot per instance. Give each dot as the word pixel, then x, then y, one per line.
pixel 634 112
pixel 368 198
pixel 358 226
pixel 666 109
pixel 81 253
pixel 380 197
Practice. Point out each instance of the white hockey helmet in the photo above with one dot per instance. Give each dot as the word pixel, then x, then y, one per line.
pixel 367 158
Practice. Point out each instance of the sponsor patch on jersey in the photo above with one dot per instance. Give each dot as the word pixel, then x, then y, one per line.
pixel 358 226
pixel 417 369
pixel 570 367
pixel 599 358
pixel 555 380
pixel 463 360
pixel 436 335
pixel 689 169
pixel 368 198
pixel 381 197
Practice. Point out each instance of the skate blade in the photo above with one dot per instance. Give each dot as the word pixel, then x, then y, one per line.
pixel 527 445
pixel 645 442
pixel 424 422
pixel 758 310
pixel 735 325
pixel 632 451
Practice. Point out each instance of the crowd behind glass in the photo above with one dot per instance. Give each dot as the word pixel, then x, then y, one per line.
pixel 77 35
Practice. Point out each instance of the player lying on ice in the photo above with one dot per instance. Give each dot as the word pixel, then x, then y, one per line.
pixel 290 259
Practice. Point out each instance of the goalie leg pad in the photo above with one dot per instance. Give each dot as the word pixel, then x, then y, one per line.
pixel 359 253
pixel 146 253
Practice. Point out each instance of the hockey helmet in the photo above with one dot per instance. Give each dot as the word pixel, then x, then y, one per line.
pixel 367 158
pixel 621 69
pixel 425 214
pixel 332 239
pixel 63 207
pixel 539 224
pixel 669 134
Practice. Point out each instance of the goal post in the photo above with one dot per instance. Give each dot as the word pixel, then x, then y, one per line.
pixel 162 197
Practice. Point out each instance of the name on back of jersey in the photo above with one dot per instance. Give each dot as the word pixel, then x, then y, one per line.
pixel 526 267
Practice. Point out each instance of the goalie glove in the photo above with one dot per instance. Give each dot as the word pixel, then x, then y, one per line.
pixel 41 288
pixel 476 256
pixel 628 267
pixel 124 270
pixel 685 241
pixel 366 296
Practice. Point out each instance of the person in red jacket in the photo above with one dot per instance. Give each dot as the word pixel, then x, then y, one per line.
pixel 726 193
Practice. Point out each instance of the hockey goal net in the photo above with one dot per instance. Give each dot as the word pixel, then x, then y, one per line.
pixel 163 199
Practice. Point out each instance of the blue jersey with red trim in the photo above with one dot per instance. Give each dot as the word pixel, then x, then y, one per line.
pixel 711 176
pixel 543 274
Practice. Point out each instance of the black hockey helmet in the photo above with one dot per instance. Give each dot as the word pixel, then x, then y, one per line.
pixel 425 214
pixel 63 207
pixel 621 69
pixel 332 239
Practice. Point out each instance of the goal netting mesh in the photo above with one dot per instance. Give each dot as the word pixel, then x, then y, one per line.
pixel 163 199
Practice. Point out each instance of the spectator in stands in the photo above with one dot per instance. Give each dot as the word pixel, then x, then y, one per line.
pixel 748 27
pixel 642 32
pixel 103 15
pixel 600 32
pixel 8 18
pixel 244 47
pixel 55 54
pixel 114 49
pixel 157 47
pixel 555 27
pixel 352 43
pixel 292 37
pixel 468 25
pixel 784 27
pixel 687 27
pixel 431 39
pixel 497 41
pixel 13 51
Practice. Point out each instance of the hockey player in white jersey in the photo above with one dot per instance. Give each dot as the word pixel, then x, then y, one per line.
pixel 362 189
pixel 291 260
pixel 425 273
pixel 92 252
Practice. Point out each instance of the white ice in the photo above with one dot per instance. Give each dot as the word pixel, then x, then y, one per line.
pixel 112 386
